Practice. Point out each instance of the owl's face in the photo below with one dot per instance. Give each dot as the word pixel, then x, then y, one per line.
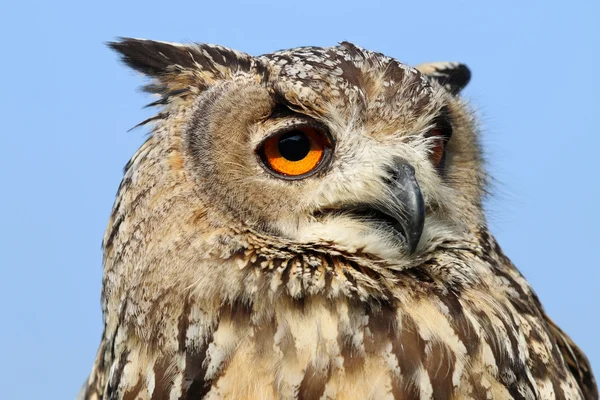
pixel 323 146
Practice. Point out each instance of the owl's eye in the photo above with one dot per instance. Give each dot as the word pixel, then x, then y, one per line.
pixel 438 149
pixel 295 153
pixel 439 139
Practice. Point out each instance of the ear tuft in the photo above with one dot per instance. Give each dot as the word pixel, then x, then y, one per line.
pixel 150 57
pixel 451 75
pixel 177 66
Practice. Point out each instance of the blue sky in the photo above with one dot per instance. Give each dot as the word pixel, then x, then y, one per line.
pixel 67 105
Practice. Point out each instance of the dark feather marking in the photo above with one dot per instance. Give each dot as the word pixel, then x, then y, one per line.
pixel 193 384
pixel 134 392
pixel 264 333
pixel 156 117
pixel 409 349
pixel 150 57
pixel 493 339
pixel 440 363
pixel 458 78
pixel 382 326
pixel 459 322
pixel 120 325
pixel 352 280
pixel 239 314
pixel 454 78
pixel 112 390
pixel 163 378
pixel 518 366
pixel 166 97
pixel 350 71
pixel 539 368
pixel 160 102
pixel 313 383
pixel 285 275
pixel 155 88
pixel 262 71
pixel 328 270
pixel 114 229
pixel 158 59
pixel 558 391
pixel 354 51
pixel 287 345
pixel 184 323
pixel 353 358
pixel 576 361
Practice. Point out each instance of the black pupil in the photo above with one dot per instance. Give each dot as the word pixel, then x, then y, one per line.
pixel 294 145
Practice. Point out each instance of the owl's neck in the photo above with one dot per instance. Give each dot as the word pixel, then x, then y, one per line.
pixel 253 284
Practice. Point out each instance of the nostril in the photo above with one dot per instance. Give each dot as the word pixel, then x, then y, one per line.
pixel 408 170
pixel 400 170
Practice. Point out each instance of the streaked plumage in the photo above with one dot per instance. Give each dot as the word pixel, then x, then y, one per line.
pixel 222 280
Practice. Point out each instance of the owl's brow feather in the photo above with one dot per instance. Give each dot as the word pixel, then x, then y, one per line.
pixel 244 167
pixel 166 97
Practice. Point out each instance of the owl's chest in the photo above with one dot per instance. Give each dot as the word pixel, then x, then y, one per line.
pixel 417 348
pixel 324 349
pixel 305 352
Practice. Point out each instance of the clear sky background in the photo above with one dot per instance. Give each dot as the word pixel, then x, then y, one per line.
pixel 67 104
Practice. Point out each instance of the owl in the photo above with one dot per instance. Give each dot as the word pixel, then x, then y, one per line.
pixel 308 224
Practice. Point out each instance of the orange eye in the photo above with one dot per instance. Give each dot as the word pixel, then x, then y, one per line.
pixel 438 149
pixel 296 152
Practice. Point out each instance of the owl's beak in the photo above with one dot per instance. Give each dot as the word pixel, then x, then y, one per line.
pixel 401 210
pixel 405 205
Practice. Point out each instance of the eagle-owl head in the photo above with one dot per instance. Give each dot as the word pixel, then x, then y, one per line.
pixel 339 149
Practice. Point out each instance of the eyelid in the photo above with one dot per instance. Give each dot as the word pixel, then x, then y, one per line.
pixel 442 122
pixel 440 134
pixel 300 124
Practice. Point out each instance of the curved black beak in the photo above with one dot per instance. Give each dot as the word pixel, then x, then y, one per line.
pixel 402 209
pixel 405 205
